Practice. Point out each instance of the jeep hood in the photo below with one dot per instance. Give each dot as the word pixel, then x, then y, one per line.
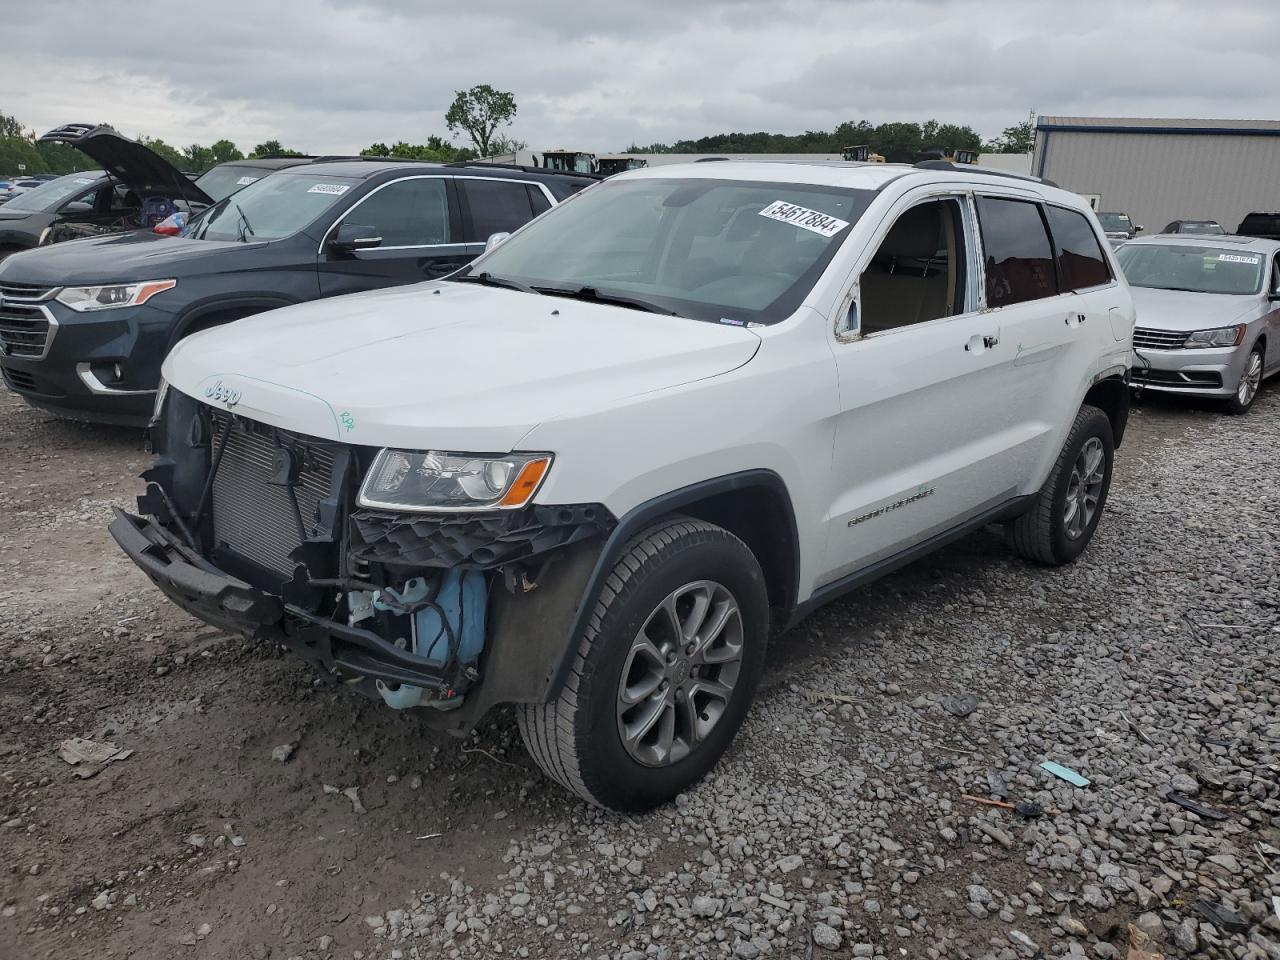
pixel 1183 310
pixel 118 258
pixel 445 365
pixel 138 167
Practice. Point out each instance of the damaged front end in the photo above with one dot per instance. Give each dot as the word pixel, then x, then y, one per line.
pixel 257 530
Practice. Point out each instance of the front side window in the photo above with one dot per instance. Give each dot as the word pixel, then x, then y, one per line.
pixel 1081 263
pixel 1194 269
pixel 1018 257
pixel 496 207
pixel 407 213
pixel 271 208
pixel 918 272
pixel 704 248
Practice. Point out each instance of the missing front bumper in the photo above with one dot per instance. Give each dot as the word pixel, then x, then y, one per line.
pixel 358 657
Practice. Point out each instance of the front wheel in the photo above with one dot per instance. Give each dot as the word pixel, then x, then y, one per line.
pixel 1066 511
pixel 663 674
pixel 1250 381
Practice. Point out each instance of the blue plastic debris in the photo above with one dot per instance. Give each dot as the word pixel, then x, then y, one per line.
pixel 1065 773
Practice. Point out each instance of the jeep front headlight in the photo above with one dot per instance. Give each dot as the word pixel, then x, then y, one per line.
pixel 111 295
pixel 430 481
pixel 1218 337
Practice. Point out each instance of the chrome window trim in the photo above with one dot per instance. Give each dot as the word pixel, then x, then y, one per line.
pixel 430 176
pixel 90 380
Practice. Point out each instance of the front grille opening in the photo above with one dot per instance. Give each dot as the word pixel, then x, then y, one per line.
pixel 24 330
pixel 1188 380
pixel 19 380
pixel 1158 339
pixel 253 513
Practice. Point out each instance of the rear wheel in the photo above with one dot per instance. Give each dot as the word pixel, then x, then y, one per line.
pixel 1066 511
pixel 1250 381
pixel 663 674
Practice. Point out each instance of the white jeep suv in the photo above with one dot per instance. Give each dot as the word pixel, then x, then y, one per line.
pixel 590 474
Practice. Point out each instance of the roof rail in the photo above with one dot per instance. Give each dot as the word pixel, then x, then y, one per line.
pixel 338 158
pixel 526 169
pixel 973 168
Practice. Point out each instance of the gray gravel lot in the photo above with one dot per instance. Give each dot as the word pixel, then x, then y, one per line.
pixel 837 826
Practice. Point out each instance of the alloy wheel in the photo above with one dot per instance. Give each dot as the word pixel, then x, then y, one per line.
pixel 680 673
pixel 1084 488
pixel 1250 379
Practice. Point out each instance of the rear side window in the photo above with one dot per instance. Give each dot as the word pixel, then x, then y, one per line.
pixel 1080 260
pixel 539 200
pixel 496 207
pixel 1019 258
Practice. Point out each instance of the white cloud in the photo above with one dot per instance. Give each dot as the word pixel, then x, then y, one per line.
pixel 335 77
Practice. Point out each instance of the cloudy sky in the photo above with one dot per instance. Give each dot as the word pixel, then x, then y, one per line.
pixel 333 77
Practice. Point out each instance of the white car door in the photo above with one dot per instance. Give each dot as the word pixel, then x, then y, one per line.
pixel 939 393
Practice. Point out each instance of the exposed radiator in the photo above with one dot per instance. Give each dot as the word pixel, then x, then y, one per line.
pixel 252 516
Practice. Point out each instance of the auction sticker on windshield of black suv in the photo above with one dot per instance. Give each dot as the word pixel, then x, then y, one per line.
pixel 814 220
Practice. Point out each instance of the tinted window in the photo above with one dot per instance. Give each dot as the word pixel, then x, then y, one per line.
pixel 225 179
pixel 539 200
pixel 410 213
pixel 1019 260
pixel 1080 258
pixel 496 207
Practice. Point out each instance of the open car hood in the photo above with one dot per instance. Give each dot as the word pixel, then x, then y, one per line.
pixel 139 168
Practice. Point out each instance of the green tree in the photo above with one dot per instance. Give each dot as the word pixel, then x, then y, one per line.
pixel 10 128
pixel 273 148
pixel 898 142
pixel 224 151
pixel 198 158
pixel 480 111
pixel 1016 139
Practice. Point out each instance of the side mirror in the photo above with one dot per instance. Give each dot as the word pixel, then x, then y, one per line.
pixel 494 240
pixel 78 206
pixel 350 237
pixel 1139 228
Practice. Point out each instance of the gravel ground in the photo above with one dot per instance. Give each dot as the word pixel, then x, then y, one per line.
pixel 837 826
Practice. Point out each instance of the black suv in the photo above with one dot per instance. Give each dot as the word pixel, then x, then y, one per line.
pixel 85 326
pixel 111 199
pixel 1260 223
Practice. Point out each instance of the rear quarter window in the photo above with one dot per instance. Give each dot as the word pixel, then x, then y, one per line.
pixel 1016 251
pixel 1081 263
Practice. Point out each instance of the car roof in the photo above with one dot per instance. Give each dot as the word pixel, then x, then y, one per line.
pixel 1253 244
pixel 844 173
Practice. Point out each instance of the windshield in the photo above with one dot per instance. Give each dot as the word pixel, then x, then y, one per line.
pixel 1115 222
pixel 270 208
pixel 719 250
pixel 1198 269
pixel 227 178
pixel 53 194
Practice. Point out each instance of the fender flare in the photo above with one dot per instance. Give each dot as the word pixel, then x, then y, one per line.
pixel 644 515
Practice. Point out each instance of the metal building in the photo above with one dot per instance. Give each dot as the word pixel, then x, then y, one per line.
pixel 1158 171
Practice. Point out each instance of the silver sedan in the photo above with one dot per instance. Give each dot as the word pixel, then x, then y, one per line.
pixel 1208 315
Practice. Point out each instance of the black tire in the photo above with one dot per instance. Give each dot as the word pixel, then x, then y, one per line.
pixel 1041 534
pixel 1233 404
pixel 575 738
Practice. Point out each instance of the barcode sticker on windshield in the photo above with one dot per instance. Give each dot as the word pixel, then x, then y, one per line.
pixel 1236 258
pixel 813 220
pixel 245 181
pixel 337 189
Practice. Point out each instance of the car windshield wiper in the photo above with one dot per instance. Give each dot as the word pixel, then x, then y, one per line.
pixel 593 295
pixel 247 227
pixel 489 280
